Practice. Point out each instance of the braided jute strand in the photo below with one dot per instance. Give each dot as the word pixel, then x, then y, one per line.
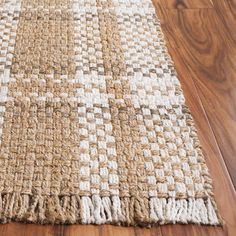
pixel 94 128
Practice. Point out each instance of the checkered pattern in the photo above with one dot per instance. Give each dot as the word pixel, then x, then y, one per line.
pixel 93 122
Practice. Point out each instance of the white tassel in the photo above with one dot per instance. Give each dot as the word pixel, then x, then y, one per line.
pixel 202 210
pixel 211 213
pixel 106 202
pixel 183 211
pixel 157 209
pixel 116 209
pixel 100 210
pixel 87 210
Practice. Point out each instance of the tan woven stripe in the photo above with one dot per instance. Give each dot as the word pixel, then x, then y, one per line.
pixel 41 128
pixel 114 62
pixel 132 175
pixel 45 39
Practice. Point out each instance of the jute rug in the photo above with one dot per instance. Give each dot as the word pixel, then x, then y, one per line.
pixel 94 126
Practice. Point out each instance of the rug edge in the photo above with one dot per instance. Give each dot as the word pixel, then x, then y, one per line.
pixel 127 211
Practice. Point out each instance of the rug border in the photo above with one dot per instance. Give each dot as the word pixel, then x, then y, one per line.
pixel 126 211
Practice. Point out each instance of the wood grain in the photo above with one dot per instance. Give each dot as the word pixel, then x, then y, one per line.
pixel 183 4
pixel 226 9
pixel 203 48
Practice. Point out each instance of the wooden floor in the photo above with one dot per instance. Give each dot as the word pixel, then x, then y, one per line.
pixel 201 38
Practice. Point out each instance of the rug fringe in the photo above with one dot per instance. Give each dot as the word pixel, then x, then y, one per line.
pixel 102 210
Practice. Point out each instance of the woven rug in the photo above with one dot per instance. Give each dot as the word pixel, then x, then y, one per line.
pixel 93 122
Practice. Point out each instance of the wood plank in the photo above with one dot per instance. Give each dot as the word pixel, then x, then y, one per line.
pixel 226 9
pixel 186 4
pixel 20 229
pixel 77 230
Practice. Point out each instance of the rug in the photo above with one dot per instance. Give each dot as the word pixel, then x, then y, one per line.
pixel 93 123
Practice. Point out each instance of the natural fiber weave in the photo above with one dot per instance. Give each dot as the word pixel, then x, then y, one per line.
pixel 93 123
